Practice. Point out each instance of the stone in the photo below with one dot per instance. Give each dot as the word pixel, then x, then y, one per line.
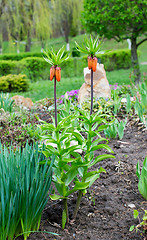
pixel 101 86
pixel 22 101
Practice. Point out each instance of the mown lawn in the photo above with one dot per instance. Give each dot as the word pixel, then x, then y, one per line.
pixel 42 89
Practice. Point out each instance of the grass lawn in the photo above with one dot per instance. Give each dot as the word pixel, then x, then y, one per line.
pixel 42 89
pixel 56 43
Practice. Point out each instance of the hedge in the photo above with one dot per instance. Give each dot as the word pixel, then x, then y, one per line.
pixel 17 57
pixel 36 68
pixel 14 83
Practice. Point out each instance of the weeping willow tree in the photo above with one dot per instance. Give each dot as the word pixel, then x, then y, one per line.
pixel 66 17
pixel 3 9
pixel 29 19
pixel 43 21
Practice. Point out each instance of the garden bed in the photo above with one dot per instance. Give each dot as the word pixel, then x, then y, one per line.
pixel 106 211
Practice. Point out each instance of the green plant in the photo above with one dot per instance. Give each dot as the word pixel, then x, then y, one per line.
pixel 98 18
pixel 91 47
pixel 55 59
pixel 17 57
pixel 142 176
pixel 14 82
pixel 115 127
pixel 71 170
pixel 75 52
pixel 142 224
pixel 6 103
pixel 35 68
pixel 24 188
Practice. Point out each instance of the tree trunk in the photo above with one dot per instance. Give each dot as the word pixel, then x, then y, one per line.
pixel 28 43
pixel 134 59
pixel 1 37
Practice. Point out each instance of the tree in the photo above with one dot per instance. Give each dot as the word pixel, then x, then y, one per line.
pixel 27 19
pixel 66 17
pixel 120 20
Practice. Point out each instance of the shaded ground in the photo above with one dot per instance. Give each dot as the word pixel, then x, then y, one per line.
pixel 105 211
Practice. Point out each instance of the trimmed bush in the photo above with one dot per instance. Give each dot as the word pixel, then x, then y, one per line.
pixel 8 67
pixel 117 59
pixel 75 52
pixel 17 57
pixel 14 83
pixel 35 68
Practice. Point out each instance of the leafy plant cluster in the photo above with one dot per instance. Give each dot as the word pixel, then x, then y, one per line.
pixel 6 103
pixel 24 188
pixel 72 171
pixel 17 57
pixel 35 68
pixel 13 82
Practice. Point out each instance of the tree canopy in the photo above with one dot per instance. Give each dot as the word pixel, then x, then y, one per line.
pixel 119 20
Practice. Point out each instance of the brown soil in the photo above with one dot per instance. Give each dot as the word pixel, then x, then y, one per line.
pixel 105 211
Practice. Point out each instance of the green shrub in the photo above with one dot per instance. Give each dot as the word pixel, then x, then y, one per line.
pixel 116 59
pixel 4 85
pixel 12 82
pixel 24 186
pixel 17 57
pixel 6 67
pixel 75 52
pixel 35 68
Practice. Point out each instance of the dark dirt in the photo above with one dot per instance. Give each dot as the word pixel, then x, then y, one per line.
pixel 105 212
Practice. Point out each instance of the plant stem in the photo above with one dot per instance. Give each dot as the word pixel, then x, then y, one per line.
pixel 66 209
pixel 77 204
pixel 55 101
pixel 91 109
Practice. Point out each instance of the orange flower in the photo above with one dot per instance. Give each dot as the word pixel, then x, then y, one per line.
pixel 89 62
pixel 52 73
pixel 58 74
pixel 94 64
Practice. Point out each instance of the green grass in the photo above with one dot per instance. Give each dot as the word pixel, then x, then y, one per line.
pixel 42 89
pixel 56 43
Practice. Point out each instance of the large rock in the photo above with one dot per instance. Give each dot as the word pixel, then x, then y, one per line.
pixel 101 86
pixel 21 101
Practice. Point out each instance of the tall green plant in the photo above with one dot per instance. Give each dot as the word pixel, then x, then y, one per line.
pixel 24 188
pixel 55 71
pixel 71 170
pixel 91 47
pixel 6 103
pixel 142 176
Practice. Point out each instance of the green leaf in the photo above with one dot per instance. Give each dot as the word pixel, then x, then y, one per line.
pixel 135 213
pixel 102 146
pixel 100 158
pixel 131 228
pixel 63 218
pixel 55 197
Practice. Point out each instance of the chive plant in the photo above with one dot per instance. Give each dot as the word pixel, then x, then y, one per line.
pixel 24 186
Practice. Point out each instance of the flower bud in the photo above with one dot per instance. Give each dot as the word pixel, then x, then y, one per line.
pixel 89 62
pixel 52 73
pixel 94 64
pixel 58 74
